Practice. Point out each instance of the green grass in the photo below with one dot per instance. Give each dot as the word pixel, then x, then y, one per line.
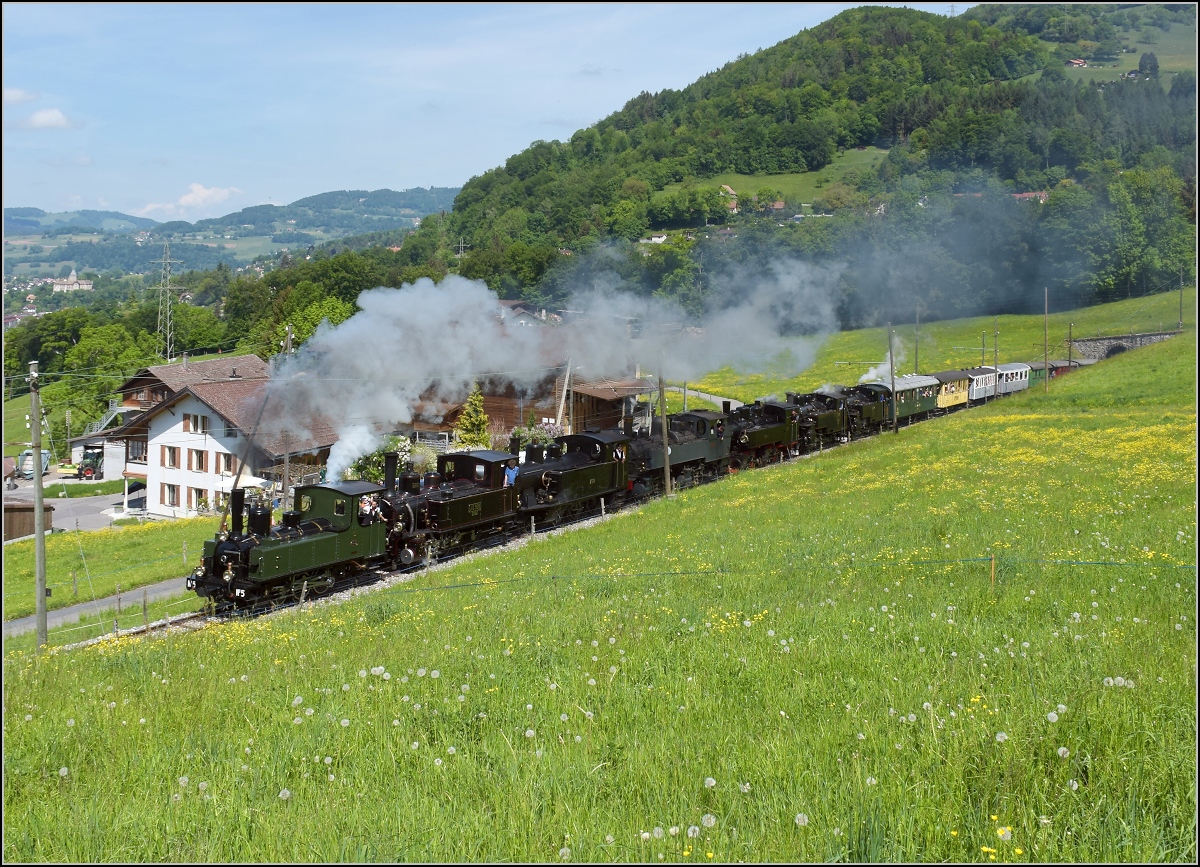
pixel 127 557
pixel 1175 50
pixel 799 187
pixel 592 682
pixel 94 624
pixel 954 344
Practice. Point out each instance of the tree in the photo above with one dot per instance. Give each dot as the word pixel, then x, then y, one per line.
pixel 471 429
pixel 1148 65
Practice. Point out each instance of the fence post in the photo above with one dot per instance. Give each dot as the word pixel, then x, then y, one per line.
pixel 993 570
pixel 185 554
pixel 145 612
pixel 303 591
pixel 118 600
pixel 75 583
pixel 602 507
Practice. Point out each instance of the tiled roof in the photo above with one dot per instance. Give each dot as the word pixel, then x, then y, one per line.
pixel 241 404
pixel 178 376
pixel 612 389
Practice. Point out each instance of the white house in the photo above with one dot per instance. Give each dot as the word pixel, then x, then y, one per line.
pixel 189 448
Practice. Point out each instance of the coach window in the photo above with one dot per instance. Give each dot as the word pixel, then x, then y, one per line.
pixel 339 508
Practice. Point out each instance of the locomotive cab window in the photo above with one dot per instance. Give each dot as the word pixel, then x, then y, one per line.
pixel 480 473
pixel 305 503
pixel 339 508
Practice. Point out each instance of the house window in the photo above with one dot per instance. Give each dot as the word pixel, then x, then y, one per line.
pixel 197 499
pixel 226 465
pixel 170 495
pixel 135 451
pixel 230 431
pixel 195 423
pixel 219 499
pixel 170 456
pixel 198 460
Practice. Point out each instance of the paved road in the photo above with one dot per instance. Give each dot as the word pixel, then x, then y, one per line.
pixel 72 613
pixel 91 513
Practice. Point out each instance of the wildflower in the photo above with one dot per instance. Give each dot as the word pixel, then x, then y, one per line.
pixel 362 672
pixel 415 745
pixel 578 739
pixel 308 711
pixel 70 723
pixel 377 670
pixel 673 830
pixel 658 832
pixel 297 721
pixel 387 675
pixel 564 853
pixel 297 701
pixel 177 797
pixel 912 717
pixel 1108 681
pixel 435 674
pixel 1063 752
pixel 284 794
pixel 183 781
pixel 693 831
pixel 1119 681
pixel 1074 784
pixel 608 838
pixel 345 687
pixel 530 733
pixel 62 772
pixel 708 820
pixel 437 762
pixel 871 781
pixel 202 786
pixel 331 778
pixel 395 722
pixel 345 723
pixel 329 760
pixel 451 751
pixel 562 717
pixel 745 787
pixel 537 753
pixel 1001 737
pixel 1052 717
pixel 645 836
pixel 801 820
pixel 709 782
pixel 420 672
pixel 861 736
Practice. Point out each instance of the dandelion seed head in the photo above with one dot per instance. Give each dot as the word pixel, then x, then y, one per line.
pixel 62 772
pixel 708 820
pixel 345 723
pixel 1001 737
pixel 693 831
pixel 801 820
pixel 1052 717
pixel 1063 752
pixel 284 794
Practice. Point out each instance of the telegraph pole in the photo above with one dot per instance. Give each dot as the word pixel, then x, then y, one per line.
pixel 982 348
pixel 1070 343
pixel 39 515
pixel 892 371
pixel 917 342
pixel 1046 341
pixel 996 343
pixel 1180 297
pixel 662 412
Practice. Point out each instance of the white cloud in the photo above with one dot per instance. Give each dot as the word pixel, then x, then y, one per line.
pixel 15 96
pixel 46 118
pixel 197 196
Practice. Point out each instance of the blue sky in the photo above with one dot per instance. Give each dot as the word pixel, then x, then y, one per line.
pixel 191 111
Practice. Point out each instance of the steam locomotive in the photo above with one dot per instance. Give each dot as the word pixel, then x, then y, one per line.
pixel 336 530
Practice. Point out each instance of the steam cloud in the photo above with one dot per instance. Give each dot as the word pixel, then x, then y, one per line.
pixel 427 344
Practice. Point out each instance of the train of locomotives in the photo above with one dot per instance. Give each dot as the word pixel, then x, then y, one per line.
pixel 338 530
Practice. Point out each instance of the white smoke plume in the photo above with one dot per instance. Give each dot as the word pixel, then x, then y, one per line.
pixel 883 371
pixel 423 346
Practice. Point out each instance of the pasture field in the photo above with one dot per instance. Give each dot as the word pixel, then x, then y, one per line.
pixel 954 343
pixel 807 662
pixel 102 560
pixel 796 187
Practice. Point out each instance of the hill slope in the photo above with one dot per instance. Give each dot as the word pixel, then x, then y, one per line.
pixel 811 662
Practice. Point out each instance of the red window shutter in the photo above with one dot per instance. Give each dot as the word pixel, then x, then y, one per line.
pixel 187 423
pixel 233 465
pixel 163 456
pixel 162 496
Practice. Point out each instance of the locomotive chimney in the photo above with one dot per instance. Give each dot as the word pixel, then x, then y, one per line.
pixel 237 502
pixel 185 367
pixel 514 446
pixel 725 407
pixel 628 425
pixel 390 461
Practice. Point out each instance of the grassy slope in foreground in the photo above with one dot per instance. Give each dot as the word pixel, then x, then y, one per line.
pixel 806 639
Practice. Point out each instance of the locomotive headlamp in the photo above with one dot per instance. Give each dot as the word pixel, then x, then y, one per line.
pixel 223 536
pixel 228 576
pixel 199 572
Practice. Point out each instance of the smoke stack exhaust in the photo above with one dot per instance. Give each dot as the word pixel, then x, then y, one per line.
pixel 237 503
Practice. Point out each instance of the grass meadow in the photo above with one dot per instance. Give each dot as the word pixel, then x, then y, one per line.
pixel 813 661
pixel 955 343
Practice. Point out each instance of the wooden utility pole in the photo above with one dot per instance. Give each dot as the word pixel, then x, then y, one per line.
pixel 39 514
pixel 996 343
pixel 982 348
pixel 917 342
pixel 662 412
pixel 892 371
pixel 287 475
pixel 1180 297
pixel 1046 341
pixel 1070 341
